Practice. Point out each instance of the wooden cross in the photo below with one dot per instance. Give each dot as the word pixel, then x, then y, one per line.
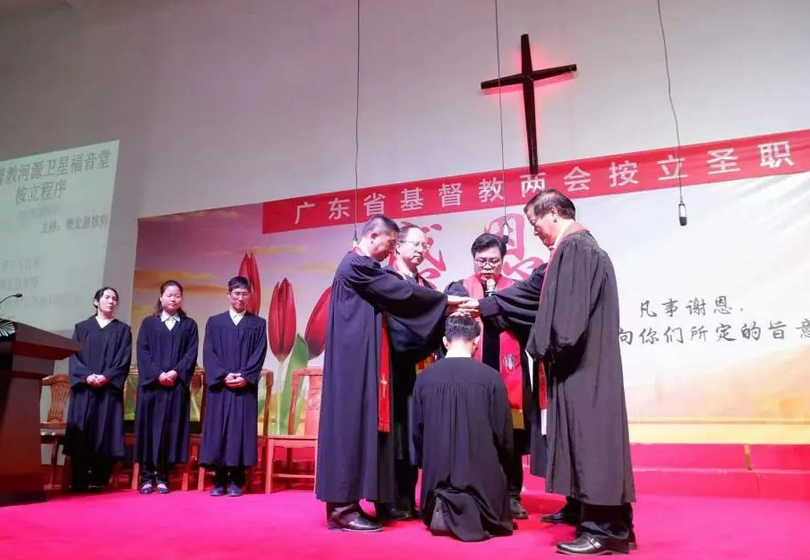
pixel 527 77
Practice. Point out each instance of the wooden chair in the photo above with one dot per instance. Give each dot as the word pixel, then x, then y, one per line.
pixel 261 468
pixel 52 431
pixel 267 375
pixel 290 441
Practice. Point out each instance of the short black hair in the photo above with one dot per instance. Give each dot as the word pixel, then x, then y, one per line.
pixel 379 223
pixel 238 282
pixel 544 202
pixel 404 230
pixel 461 327
pixel 487 241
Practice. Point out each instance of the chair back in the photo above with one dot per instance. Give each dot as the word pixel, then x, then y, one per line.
pixel 312 401
pixel 59 386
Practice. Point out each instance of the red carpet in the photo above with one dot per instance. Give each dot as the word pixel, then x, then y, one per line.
pixel 290 524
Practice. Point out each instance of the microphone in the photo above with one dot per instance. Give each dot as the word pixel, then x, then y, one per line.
pixel 682 213
pixel 17 295
pixel 490 287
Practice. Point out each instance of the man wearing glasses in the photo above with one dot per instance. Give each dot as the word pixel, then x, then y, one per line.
pixel 503 350
pixel 411 355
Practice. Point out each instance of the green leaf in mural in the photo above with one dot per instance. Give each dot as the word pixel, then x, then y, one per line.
pixel 300 405
pixel 298 359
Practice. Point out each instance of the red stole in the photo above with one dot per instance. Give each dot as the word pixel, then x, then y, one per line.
pixel 383 377
pixel 510 368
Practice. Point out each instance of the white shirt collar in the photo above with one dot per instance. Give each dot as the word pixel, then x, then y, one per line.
pixel 456 353
pixel 236 317
pixel 103 322
pixel 166 317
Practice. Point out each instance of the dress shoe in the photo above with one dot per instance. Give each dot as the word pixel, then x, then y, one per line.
pixel 392 513
pixel 560 517
pixel 360 524
pixel 218 491
pixel 162 488
pixel 234 491
pixel 518 511
pixel 146 488
pixel 631 540
pixel 588 545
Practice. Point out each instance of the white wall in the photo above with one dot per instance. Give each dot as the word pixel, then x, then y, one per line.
pixel 229 102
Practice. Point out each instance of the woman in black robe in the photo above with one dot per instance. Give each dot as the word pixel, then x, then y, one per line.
pixel 167 357
pixel 94 438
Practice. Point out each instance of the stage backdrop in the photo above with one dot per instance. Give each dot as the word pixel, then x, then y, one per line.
pixel 715 315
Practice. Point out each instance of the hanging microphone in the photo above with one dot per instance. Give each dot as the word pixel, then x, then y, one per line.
pixel 682 213
pixel 18 295
pixel 490 287
pixel 505 232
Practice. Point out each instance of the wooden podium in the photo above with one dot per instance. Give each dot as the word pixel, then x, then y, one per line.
pixel 25 359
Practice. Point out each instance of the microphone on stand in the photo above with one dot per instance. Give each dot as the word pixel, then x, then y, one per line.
pixel 490 287
pixel 17 295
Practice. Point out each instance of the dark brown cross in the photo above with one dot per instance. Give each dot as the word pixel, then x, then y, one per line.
pixel 527 77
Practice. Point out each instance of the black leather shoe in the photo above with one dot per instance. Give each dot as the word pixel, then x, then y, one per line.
pixel 360 524
pixel 560 517
pixel 146 488
pixel 162 488
pixel 588 545
pixel 234 491
pixel 391 513
pixel 631 540
pixel 218 491
pixel 518 511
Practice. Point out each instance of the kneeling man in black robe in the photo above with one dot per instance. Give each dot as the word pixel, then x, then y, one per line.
pixel 462 436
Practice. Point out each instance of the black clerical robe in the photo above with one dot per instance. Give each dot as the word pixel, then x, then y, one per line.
pixel 577 334
pixel 462 436
pixel 355 459
pixel 95 420
pixel 408 350
pixel 162 415
pixel 515 308
pixel 230 434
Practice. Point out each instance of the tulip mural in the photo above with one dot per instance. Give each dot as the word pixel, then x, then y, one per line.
pixel 250 270
pixel 293 351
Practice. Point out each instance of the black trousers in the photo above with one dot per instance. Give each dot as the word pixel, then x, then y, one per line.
pixel 156 474
pixel 228 475
pixel 604 522
pixel 343 511
pixel 90 470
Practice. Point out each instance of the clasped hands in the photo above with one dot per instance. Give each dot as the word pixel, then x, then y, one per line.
pixel 96 380
pixel 462 306
pixel 235 380
pixel 168 378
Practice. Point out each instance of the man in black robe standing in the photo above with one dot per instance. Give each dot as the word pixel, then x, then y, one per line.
pixel 233 355
pixel 410 355
pixel 355 452
pixel 462 435
pixel 576 333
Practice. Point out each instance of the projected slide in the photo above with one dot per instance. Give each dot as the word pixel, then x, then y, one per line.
pixel 54 220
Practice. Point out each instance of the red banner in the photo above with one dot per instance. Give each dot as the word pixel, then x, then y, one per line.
pixel 714 162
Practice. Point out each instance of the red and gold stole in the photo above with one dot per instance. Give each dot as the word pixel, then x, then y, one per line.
pixel 510 367
pixel 383 376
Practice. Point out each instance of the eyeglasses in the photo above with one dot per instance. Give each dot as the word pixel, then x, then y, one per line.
pixel 418 244
pixel 493 262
